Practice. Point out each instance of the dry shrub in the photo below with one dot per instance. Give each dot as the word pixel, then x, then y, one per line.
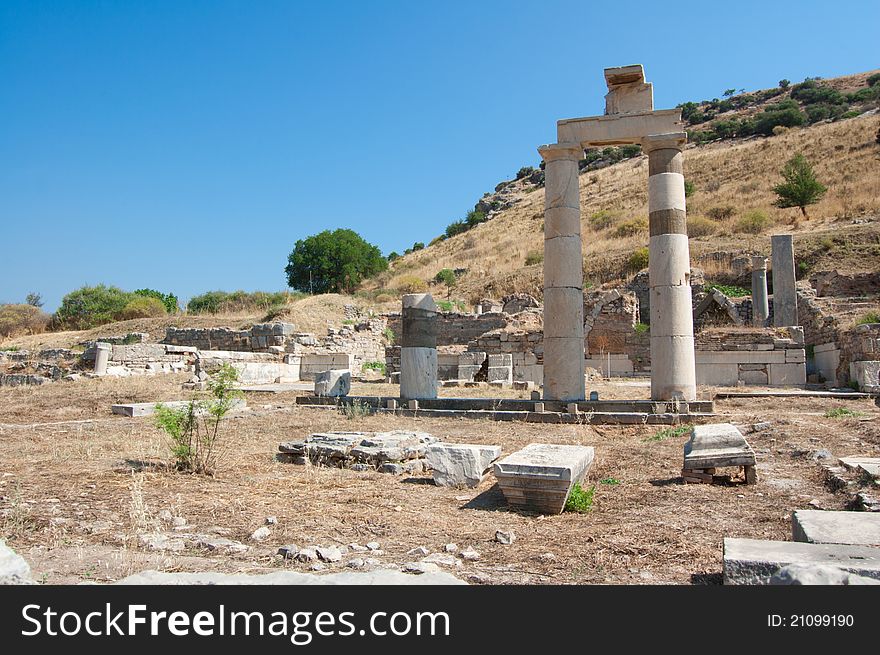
pixel 411 284
pixel 601 220
pixel 383 298
pixel 721 213
pixel 631 227
pixel 700 226
pixel 143 307
pixel 22 319
pixel 754 222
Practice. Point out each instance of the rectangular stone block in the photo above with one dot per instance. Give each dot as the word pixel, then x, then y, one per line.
pixel 540 476
pixel 460 465
pixel 795 356
pixel 753 377
pixel 782 375
pixel 715 446
pixel 500 360
pixel 866 374
pixel 467 372
pixel 752 561
pixel 471 358
pixel 740 357
pixel 784 291
pixel 135 410
pixel 722 375
pixel 500 374
pixel 826 527
pixel 533 373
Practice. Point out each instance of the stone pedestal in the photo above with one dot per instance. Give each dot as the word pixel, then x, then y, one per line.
pixel 784 294
pixel 760 303
pixel 102 357
pixel 418 347
pixel 563 275
pixel 673 371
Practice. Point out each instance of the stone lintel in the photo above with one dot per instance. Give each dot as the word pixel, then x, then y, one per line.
pixel 569 151
pixel 660 141
pixel 618 75
pixel 618 129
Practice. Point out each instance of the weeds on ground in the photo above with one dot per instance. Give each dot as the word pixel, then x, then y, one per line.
pixel 666 433
pixel 609 481
pixel 842 412
pixel 580 500
pixel 355 409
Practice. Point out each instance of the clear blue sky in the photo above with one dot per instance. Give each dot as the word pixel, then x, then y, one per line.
pixel 186 146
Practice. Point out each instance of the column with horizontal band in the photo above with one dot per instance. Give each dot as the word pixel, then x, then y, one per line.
pixel 673 369
pixel 760 303
pixel 418 347
pixel 563 274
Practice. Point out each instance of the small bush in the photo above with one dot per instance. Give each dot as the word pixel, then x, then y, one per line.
pixel 700 226
pixel 411 284
pixel 382 298
pixel 842 412
pixel 374 366
pixel 579 499
pixel 873 79
pixel 601 220
pixel 870 317
pixel 217 302
pixel 388 333
pixel 730 290
pixel 779 130
pixel 637 260
pixel 355 409
pixel 22 319
pixel 142 307
pixel 689 188
pixel 534 257
pixel 609 481
pixel 641 328
pixel 168 300
pixel 195 429
pixel 667 433
pixel 754 222
pixel 721 213
pixel 89 307
pixel 631 227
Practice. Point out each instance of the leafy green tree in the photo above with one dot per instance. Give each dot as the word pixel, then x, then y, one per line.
pixel 34 299
pixel 168 300
pixel 784 84
pixel 393 255
pixel 418 245
pixel 334 261
pixel 447 277
pixel 800 188
pixel 728 93
pixel 89 307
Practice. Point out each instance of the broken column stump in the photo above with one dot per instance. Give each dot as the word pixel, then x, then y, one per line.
pixel 716 446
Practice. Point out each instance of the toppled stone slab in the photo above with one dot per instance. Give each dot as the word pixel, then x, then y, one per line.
pixel 869 466
pixel 148 409
pixel 335 383
pixel 14 570
pixel 752 561
pixel 802 574
pixel 429 576
pixel 456 465
pixel 397 452
pixel 540 476
pixel 825 527
pixel 714 446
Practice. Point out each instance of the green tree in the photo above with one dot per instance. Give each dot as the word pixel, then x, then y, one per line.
pixel 800 188
pixel 34 299
pixel 447 277
pixel 784 84
pixel 168 300
pixel 89 307
pixel 334 261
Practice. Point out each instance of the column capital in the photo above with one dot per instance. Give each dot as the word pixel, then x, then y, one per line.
pixel 670 140
pixel 759 262
pixel 565 151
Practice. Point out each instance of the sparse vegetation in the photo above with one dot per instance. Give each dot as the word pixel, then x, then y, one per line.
pixel 800 188
pixel 142 307
pixel 579 499
pixel 447 278
pixel 842 412
pixel 195 429
pixel 729 290
pixel 609 481
pixel 870 317
pixel 641 328
pixel 754 222
pixel 228 302
pixel 601 220
pixel 700 226
pixel 534 257
pixel 375 366
pixel 356 409
pixel 22 319
pixel 631 227
pixel 669 433
pixel 411 284
pixel 638 259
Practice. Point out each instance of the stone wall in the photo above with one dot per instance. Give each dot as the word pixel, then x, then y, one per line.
pixel 860 356
pixel 457 329
pixel 832 283
pixel 751 356
pixel 257 339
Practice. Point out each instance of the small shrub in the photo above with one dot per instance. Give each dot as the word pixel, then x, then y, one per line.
pixel 168 300
pixel 641 328
pixel 631 227
pixel 667 433
pixel 142 307
pixel 730 290
pixel 355 409
pixel 754 222
pixel 195 429
pixel 579 499
pixel 34 298
pixel 842 412
pixel 601 220
pixel 534 257
pixel 374 366
pixel 637 260
pixel 382 298
pixel 689 188
pixel 721 213
pixel 22 319
pixel 870 317
pixel 700 226
pixel 388 333
pixel 89 307
pixel 779 130
pixel 873 79
pixel 411 284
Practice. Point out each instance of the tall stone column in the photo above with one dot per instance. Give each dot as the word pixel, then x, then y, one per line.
pixel 673 369
pixel 784 294
pixel 760 304
pixel 563 274
pixel 418 347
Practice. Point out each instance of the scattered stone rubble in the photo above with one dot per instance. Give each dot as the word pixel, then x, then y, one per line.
pixel 395 452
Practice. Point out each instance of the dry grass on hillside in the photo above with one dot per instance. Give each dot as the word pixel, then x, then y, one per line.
pixel 740 175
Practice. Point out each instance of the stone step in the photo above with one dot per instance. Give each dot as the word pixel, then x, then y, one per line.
pixel 753 561
pixel 827 527
pixel 148 409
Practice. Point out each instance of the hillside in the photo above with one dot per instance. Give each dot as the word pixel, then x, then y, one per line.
pixel 731 208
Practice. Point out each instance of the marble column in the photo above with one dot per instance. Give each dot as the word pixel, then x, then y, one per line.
pixel 785 311
pixel 418 347
pixel 102 357
pixel 760 304
pixel 673 368
pixel 563 274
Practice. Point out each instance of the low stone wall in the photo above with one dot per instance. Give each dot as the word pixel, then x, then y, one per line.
pixel 826 357
pixel 860 356
pixel 751 357
pixel 257 339
pixel 457 329
pixel 832 283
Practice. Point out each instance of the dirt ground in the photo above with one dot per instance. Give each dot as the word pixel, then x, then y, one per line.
pixel 78 486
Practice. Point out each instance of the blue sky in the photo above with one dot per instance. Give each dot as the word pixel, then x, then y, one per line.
pixel 186 145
